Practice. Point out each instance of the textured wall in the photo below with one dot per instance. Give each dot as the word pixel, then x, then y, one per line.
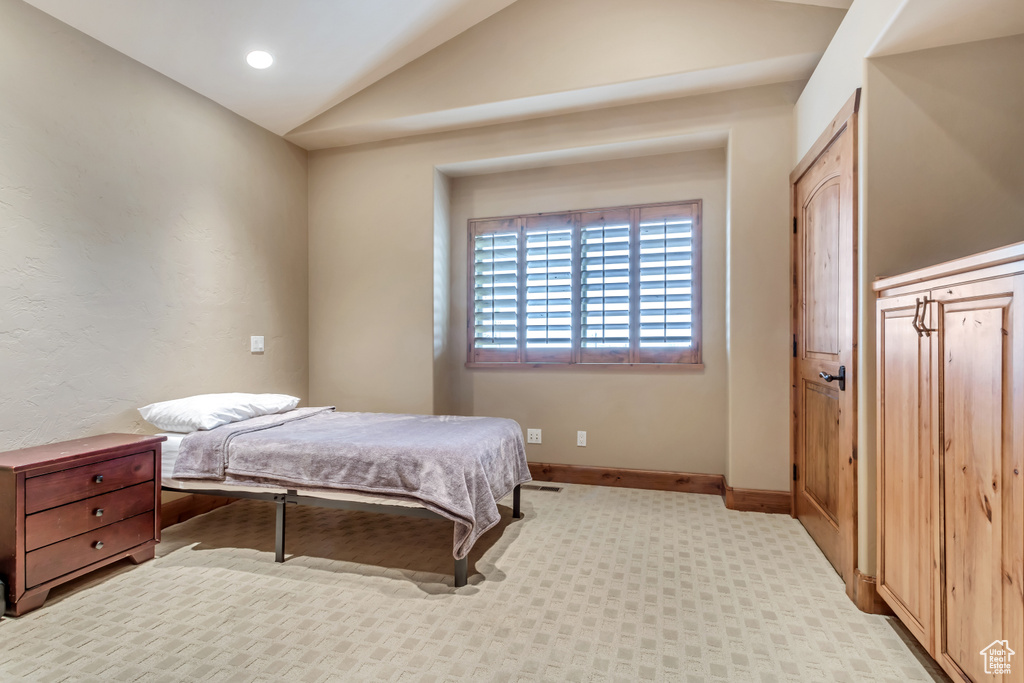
pixel 145 233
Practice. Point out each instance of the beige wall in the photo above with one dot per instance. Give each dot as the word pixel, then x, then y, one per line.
pixel 372 240
pixel 947 154
pixel 841 69
pixel 146 233
pixel 675 421
pixel 759 289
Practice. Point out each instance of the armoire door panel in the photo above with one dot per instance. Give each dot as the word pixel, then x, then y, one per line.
pixel 976 376
pixel 906 473
pixel 1013 487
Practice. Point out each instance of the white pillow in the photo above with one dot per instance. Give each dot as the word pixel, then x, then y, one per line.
pixel 213 410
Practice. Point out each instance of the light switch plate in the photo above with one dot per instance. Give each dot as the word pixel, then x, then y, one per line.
pixel 256 344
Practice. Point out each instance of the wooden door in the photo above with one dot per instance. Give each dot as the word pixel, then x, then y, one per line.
pixel 825 303
pixel 978 394
pixel 907 474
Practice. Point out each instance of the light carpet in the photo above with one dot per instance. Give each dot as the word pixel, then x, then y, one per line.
pixel 594 584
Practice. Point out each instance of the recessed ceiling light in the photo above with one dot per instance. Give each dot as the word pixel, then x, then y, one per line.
pixel 258 59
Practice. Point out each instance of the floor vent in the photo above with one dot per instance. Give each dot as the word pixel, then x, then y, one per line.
pixel 533 487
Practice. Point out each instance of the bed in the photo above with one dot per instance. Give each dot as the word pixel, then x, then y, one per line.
pixel 452 468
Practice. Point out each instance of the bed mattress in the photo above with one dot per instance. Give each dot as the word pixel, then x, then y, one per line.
pixel 170 456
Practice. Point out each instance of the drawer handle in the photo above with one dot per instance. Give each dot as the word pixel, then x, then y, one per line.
pixel 98 545
pixel 98 479
pixel 99 512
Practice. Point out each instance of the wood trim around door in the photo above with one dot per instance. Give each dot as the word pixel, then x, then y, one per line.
pixel 831 132
pixel 845 120
pixel 866 597
pixel 758 500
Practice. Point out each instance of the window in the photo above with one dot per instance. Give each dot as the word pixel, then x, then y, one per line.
pixel 605 286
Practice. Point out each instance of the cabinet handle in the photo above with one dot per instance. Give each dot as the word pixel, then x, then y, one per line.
pixel 98 512
pixel 918 327
pixel 98 545
pixel 98 479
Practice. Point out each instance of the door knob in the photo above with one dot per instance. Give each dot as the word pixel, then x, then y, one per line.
pixel 841 377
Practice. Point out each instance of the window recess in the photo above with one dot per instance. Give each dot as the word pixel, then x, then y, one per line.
pixel 617 286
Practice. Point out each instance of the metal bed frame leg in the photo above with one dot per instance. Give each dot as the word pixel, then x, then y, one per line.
pixel 461 571
pixel 461 566
pixel 516 512
pixel 279 535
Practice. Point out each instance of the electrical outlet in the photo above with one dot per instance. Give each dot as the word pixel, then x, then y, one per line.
pixel 256 344
pixel 581 438
pixel 532 436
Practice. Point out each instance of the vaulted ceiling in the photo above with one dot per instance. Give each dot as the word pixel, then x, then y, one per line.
pixel 350 71
pixel 353 71
pixel 324 50
pixel 542 57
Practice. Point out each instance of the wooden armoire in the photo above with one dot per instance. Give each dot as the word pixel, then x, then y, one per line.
pixel 951 458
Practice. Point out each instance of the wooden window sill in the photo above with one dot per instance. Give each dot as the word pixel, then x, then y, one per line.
pixel 659 367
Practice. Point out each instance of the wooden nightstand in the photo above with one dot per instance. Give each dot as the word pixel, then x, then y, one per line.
pixel 69 508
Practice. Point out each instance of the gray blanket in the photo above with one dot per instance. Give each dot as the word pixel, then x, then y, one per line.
pixel 458 467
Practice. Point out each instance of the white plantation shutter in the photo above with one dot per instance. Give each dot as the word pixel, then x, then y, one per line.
pixel 667 284
pixel 495 324
pixel 605 286
pixel 587 287
pixel 549 284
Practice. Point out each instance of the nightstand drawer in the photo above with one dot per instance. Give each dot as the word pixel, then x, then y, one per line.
pixel 74 553
pixel 67 486
pixel 44 528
